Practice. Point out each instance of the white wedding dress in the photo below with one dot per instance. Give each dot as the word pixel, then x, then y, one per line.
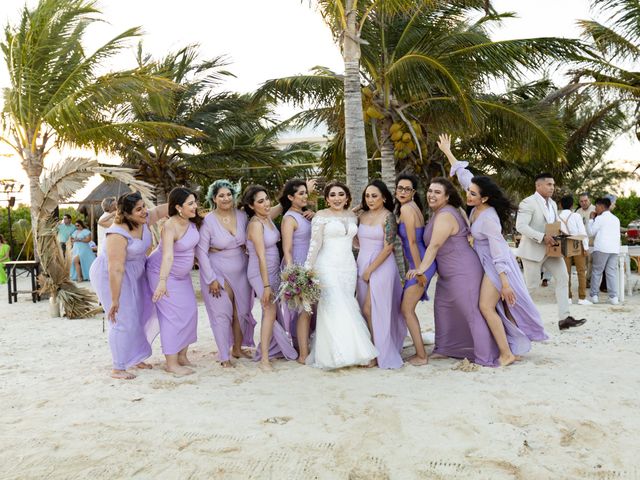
pixel 341 338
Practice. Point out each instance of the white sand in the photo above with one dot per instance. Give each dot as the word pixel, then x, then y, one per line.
pixel 571 409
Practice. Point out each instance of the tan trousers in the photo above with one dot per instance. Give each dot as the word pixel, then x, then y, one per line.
pixel 558 270
pixel 580 261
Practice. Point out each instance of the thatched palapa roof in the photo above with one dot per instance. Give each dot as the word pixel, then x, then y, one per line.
pixel 108 188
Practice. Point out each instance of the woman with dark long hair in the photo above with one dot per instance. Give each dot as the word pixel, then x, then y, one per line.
pixel 503 292
pixel 296 236
pixel 81 254
pixel 169 273
pixel 410 230
pixel 119 279
pixel 379 290
pixel 263 272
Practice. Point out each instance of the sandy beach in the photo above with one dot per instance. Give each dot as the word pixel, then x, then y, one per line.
pixel 569 410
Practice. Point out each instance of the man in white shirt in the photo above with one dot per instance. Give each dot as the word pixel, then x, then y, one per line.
pixel 534 212
pixel 604 226
pixel 571 224
pixel 105 220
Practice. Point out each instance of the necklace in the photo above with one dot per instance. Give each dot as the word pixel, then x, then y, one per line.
pixel 226 219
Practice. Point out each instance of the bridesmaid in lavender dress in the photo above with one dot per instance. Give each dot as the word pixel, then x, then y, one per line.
pixel 264 275
pixel 225 286
pixel 296 236
pixel 410 231
pixel 379 288
pixel 503 292
pixel 169 272
pixel 118 278
pixel 461 331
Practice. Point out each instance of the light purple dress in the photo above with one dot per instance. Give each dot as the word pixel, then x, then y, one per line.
pixel 389 327
pixel 281 344
pixel 496 257
pixel 299 250
pixel 228 265
pixel 177 312
pixel 461 330
pixel 136 324
pixel 406 248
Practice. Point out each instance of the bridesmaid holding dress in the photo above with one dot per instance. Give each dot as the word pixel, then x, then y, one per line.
pixel 223 261
pixel 296 236
pixel 264 275
pixel 411 231
pixel 169 272
pixel 503 294
pixel 461 331
pixel 81 255
pixel 379 289
pixel 118 277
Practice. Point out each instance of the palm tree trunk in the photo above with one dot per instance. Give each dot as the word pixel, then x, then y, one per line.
pixel 356 146
pixel 33 164
pixel 388 163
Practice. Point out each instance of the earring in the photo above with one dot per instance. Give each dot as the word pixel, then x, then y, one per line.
pixel 180 213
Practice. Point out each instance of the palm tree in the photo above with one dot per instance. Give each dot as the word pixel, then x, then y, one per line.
pixel 56 96
pixel 426 73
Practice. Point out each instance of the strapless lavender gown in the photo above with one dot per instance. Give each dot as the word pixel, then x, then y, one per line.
pixel 281 344
pixel 385 288
pixel 402 233
pixel 136 324
pixel 178 312
pixel 228 265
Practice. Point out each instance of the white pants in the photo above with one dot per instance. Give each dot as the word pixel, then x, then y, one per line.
pixel 606 263
pixel 558 269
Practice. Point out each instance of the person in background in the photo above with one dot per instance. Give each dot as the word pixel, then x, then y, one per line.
pixel 65 229
pixel 4 257
pixel 584 210
pixel 106 220
pixel 604 226
pixel 81 254
pixel 571 224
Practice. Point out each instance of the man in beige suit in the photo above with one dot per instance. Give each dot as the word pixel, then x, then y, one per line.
pixel 534 213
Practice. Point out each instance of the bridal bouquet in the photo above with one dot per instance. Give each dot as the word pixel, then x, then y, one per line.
pixel 299 288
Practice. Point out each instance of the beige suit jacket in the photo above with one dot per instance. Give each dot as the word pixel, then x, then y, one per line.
pixel 530 222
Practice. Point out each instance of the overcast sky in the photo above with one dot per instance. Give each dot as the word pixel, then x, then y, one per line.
pixel 266 39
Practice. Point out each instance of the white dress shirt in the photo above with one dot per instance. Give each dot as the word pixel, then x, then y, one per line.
pixel 571 224
pixel 605 229
pixel 549 212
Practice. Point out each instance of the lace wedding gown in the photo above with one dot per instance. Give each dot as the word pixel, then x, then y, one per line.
pixel 342 337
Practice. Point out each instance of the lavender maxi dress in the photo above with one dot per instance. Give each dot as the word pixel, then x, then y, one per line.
pixel 430 273
pixel 178 312
pixel 136 325
pixel 461 330
pixel 496 257
pixel 228 265
pixel 385 288
pixel 300 248
pixel 281 344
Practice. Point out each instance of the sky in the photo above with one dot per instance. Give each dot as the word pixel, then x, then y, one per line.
pixel 265 39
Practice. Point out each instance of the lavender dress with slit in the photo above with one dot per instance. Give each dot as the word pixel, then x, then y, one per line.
pixel 385 291
pixel 136 325
pixel 281 344
pixel 461 330
pixel 430 273
pixel 496 257
pixel 177 312
pixel 227 264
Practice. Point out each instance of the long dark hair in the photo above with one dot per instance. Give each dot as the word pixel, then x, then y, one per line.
pixel 415 183
pixel 455 200
pixel 249 196
pixel 497 199
pixel 290 188
pixel 178 196
pixel 126 204
pixel 336 183
pixel 78 221
pixel 386 195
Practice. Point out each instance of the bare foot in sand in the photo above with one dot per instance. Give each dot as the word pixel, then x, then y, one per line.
pixel 178 370
pixel 301 360
pixel 184 361
pixel 417 361
pixel 243 353
pixel 507 359
pixel 122 375
pixel 371 364
pixel 144 366
pixel 226 364
pixel 435 356
pixel 266 366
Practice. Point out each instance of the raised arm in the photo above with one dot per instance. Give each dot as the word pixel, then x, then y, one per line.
pixel 317 231
pixel 390 231
pixel 157 213
pixel 445 225
pixel 457 168
pixel 106 219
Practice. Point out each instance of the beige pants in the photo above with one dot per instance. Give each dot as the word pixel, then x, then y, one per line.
pixel 558 269
pixel 580 261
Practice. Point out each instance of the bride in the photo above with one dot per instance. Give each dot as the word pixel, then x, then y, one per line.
pixel 342 337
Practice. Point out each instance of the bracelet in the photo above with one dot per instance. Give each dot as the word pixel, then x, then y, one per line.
pixel 163 278
pixel 266 286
